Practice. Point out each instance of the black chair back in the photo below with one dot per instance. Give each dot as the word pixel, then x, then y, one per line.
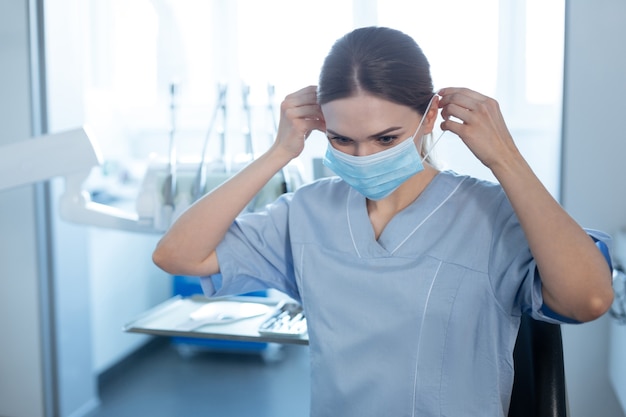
pixel 539 384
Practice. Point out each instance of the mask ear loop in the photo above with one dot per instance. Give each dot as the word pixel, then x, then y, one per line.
pixel 436 140
pixel 433 147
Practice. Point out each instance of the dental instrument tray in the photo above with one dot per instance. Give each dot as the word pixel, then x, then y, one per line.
pixel 240 318
pixel 287 319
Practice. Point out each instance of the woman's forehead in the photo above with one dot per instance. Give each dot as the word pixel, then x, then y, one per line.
pixel 365 114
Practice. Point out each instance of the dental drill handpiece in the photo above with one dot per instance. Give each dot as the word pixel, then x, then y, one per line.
pixel 222 133
pixel 199 184
pixel 247 130
pixel 272 112
pixel 169 186
pixel 271 92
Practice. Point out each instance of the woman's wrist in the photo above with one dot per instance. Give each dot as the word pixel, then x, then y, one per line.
pixel 279 155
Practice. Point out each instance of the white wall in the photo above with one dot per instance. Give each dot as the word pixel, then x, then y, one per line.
pixel 45 357
pixel 20 337
pixel 29 355
pixel 119 280
pixel 75 381
pixel 594 149
pixel 124 284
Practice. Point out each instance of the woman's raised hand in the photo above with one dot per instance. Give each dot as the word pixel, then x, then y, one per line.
pixel 482 127
pixel 299 116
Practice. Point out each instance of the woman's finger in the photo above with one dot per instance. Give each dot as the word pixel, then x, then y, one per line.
pixel 460 112
pixel 302 97
pixel 459 93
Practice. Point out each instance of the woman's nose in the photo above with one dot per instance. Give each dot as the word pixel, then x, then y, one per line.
pixel 364 150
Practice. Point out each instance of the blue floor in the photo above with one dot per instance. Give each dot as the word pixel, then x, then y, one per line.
pixel 169 381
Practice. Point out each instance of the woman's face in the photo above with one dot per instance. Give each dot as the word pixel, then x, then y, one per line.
pixel 364 124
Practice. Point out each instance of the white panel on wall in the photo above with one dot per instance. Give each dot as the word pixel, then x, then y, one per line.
pixel 593 179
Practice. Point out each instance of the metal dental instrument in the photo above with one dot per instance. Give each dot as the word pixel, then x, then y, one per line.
pixel 271 91
pixel 247 130
pixel 169 186
pixel 222 134
pixel 270 108
pixel 199 183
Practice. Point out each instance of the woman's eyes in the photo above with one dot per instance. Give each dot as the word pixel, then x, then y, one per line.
pixel 387 140
pixel 341 140
pixel 383 140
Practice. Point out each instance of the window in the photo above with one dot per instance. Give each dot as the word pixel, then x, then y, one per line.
pixel 512 51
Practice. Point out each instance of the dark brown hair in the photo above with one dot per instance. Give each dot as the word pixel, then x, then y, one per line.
pixel 381 61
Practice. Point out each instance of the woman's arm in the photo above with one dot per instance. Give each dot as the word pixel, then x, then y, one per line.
pixel 188 247
pixel 575 276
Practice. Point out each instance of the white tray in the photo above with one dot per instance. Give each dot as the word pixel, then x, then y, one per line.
pixel 172 318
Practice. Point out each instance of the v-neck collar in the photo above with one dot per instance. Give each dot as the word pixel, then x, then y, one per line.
pixel 404 224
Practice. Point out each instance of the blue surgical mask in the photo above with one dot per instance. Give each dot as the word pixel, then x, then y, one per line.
pixel 376 176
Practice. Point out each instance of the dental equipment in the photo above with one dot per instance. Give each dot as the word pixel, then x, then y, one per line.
pixel 71 154
pixel 223 312
pixel 38 159
pixel 287 188
pixel 169 186
pixel 271 91
pixel 247 129
pixel 199 184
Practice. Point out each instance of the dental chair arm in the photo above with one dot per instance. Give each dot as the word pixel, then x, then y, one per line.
pixel 76 206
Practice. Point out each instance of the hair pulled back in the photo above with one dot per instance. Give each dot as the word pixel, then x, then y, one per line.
pixel 380 61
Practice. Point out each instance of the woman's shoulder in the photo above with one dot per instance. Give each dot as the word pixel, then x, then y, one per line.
pixel 464 182
pixel 469 190
pixel 322 188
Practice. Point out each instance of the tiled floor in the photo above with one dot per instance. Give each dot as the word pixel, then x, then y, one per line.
pixel 163 381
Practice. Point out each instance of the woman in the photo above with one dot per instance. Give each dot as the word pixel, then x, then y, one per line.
pixel 413 280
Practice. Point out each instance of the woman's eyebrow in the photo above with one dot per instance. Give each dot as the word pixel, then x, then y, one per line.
pixel 375 135
pixel 333 133
pixel 386 131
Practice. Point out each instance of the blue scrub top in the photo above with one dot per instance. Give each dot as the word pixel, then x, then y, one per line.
pixel 422 321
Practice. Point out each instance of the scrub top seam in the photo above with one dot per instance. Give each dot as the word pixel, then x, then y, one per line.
pixel 489 277
pixel 445 343
pixel 417 355
pixel 428 217
pixel 350 225
pixel 299 277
